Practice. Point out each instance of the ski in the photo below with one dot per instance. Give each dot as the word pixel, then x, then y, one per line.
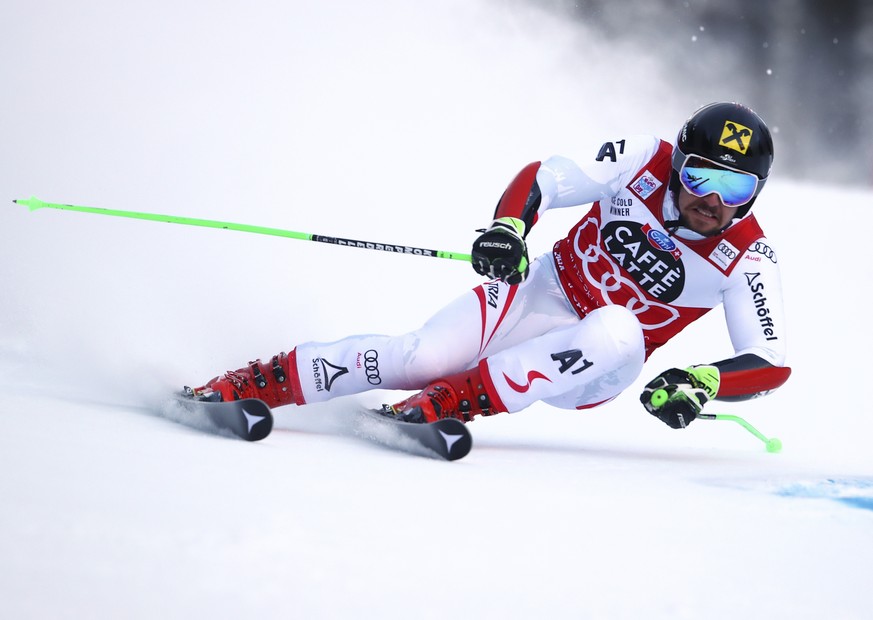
pixel 249 419
pixel 447 439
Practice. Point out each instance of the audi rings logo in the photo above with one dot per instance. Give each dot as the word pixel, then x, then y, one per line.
pixel 371 367
pixel 766 250
pixel 727 250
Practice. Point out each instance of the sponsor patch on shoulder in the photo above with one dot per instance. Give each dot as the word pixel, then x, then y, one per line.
pixel 724 254
pixel 645 185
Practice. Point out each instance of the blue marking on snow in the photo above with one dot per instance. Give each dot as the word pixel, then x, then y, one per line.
pixel 852 492
pixel 864 503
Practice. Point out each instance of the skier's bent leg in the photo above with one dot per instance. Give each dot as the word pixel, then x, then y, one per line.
pixel 485 318
pixel 360 363
pixel 570 367
pixel 316 372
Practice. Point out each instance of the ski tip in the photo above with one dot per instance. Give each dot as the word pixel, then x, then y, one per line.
pixel 457 437
pixel 259 421
pixel 249 419
pixel 447 439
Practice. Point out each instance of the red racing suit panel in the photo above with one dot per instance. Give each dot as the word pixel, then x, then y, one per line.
pixel 623 253
pixel 521 199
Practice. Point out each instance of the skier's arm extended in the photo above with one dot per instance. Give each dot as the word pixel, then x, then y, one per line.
pixel 501 251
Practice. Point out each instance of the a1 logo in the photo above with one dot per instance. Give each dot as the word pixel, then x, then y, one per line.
pixel 569 359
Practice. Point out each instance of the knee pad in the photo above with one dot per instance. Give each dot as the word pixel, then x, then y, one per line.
pixel 612 328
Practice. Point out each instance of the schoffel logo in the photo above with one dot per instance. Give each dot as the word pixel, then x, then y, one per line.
pixel 658 271
pixel 324 373
pixel 761 309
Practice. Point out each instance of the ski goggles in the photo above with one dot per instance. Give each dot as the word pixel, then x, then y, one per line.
pixel 702 177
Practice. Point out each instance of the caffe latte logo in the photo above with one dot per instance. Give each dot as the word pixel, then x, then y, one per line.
pixel 652 260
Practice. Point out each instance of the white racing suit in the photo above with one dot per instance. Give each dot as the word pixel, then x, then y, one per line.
pixel 577 331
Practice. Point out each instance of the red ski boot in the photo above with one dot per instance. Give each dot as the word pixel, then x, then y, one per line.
pixel 462 396
pixel 275 383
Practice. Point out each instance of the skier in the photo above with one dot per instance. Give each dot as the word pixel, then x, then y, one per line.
pixel 670 235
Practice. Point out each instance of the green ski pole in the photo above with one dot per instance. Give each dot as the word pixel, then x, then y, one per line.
pixel 659 397
pixel 35 203
pixel 773 444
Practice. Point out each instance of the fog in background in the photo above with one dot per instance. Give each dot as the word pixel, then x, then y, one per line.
pixel 805 66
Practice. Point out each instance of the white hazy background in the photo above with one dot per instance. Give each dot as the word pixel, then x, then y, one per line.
pixel 397 122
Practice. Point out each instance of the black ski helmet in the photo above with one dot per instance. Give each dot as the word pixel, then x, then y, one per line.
pixel 729 134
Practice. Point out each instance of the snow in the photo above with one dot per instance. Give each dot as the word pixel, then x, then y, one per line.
pixel 382 122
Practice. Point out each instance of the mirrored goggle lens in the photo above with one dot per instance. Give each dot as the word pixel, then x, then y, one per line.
pixel 700 178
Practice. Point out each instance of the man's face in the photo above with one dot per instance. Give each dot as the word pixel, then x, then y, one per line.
pixel 706 215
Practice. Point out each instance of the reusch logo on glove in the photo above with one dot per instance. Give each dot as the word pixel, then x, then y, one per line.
pixel 495 244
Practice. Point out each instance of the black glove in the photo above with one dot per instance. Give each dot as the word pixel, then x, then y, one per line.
pixel 676 396
pixel 500 252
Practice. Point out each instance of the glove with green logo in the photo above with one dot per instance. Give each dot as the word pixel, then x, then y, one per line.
pixel 500 252
pixel 676 396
